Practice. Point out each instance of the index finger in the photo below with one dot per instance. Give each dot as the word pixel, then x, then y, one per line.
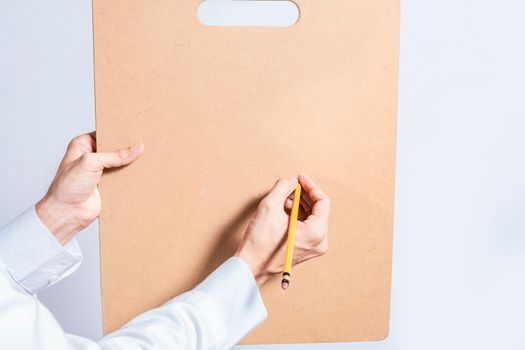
pixel 281 190
pixel 320 200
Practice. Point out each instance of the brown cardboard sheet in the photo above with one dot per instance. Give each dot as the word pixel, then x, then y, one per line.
pixel 223 112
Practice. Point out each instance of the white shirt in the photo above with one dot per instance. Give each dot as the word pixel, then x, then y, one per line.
pixel 214 315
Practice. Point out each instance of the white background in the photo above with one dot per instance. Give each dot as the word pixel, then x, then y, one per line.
pixel 459 252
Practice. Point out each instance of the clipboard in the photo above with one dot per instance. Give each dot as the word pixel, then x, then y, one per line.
pixel 225 111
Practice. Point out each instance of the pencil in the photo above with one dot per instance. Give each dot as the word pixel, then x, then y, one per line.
pixel 285 283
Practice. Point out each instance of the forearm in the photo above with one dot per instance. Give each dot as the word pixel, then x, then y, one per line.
pixel 32 254
pixel 217 314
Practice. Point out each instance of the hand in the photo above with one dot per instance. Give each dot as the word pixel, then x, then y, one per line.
pixel 73 201
pixel 264 245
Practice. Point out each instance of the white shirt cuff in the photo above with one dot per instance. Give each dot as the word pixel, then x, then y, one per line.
pixel 234 292
pixel 32 254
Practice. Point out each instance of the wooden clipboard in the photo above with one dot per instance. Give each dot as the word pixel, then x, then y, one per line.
pixel 223 112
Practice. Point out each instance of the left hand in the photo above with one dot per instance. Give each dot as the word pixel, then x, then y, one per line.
pixel 73 200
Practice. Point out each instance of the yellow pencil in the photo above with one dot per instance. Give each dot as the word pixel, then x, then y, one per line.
pixel 291 238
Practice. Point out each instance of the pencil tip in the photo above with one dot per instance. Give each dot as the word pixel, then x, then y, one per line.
pixel 285 284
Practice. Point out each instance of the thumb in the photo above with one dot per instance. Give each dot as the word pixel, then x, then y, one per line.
pixel 122 157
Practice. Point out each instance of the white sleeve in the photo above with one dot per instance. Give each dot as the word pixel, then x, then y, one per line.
pixel 215 315
pixel 33 256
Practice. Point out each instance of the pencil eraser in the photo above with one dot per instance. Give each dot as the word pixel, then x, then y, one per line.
pixel 285 284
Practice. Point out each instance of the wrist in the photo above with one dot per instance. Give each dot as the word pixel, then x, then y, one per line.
pixel 261 279
pixel 259 273
pixel 58 219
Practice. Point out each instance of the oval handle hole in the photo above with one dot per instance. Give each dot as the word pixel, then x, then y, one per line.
pixel 247 13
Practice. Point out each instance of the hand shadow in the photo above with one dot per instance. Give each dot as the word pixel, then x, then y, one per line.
pixel 229 238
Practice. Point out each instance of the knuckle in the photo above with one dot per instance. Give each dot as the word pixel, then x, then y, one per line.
pixel 122 153
pixel 318 236
pixel 265 205
pixel 119 153
pixel 85 219
pixel 78 143
pixel 86 159
pixel 290 180
pixel 322 249
pixel 74 142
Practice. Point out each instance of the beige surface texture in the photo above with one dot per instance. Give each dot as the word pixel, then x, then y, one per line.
pixel 223 112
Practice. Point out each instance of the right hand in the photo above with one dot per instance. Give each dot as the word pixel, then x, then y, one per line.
pixel 264 244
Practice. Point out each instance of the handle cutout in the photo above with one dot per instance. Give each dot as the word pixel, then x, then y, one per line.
pixel 248 13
